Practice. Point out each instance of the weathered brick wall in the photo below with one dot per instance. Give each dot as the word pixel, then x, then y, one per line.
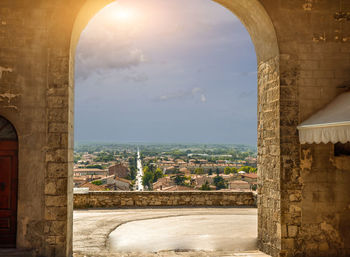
pixel 325 206
pixel 314 65
pixel 149 199
pixel 23 67
pixel 269 199
pixel 34 89
pixel 324 199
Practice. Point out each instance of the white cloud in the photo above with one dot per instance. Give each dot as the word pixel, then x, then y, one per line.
pixel 196 90
pixel 97 57
pixel 136 77
pixel 194 93
pixel 105 47
pixel 203 98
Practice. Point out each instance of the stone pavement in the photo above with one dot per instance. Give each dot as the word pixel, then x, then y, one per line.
pixel 222 227
pixel 218 225
pixel 180 254
pixel 21 253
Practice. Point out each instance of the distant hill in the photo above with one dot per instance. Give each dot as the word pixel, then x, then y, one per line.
pixel 164 147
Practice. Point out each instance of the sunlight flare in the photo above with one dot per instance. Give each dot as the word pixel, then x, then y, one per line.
pixel 123 14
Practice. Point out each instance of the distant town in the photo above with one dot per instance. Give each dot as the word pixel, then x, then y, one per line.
pixel 164 167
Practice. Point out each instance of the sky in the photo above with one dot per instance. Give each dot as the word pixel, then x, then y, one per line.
pixel 165 71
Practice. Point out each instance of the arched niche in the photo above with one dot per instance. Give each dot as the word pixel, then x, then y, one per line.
pixel 7 130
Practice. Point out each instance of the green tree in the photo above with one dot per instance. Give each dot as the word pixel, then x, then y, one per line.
pixel 205 186
pixel 248 169
pixel 199 171
pixel 227 170
pixel 145 169
pixel 147 179
pixel 132 173
pixel 96 166
pixel 179 180
pixel 219 183
pixel 97 182
pixel 234 170
pixel 104 157
pixel 77 158
pixel 132 161
pixel 253 170
pixel 158 173
pixel 244 168
pixel 210 172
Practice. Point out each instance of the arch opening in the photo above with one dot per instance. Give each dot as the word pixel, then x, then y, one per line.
pixel 261 30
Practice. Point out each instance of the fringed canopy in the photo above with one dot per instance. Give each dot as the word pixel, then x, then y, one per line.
pixel 330 124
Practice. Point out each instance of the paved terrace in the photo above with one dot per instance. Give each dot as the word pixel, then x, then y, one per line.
pixel 194 232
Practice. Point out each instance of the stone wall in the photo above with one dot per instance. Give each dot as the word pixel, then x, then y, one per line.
pixel 314 68
pixel 151 199
pixel 325 205
pixel 269 221
pixel 303 53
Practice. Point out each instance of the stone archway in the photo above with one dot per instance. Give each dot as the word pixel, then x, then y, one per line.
pixel 259 25
pixel 303 63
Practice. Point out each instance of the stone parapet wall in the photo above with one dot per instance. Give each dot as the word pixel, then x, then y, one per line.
pixel 147 199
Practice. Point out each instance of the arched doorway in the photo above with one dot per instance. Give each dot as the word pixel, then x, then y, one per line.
pixel 8 183
pixel 262 31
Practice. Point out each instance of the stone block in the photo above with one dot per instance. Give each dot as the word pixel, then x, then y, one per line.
pixel 56 186
pixel 292 231
pixel 57 170
pixel 57 102
pixel 58 128
pixel 57 115
pixel 55 213
pixel 57 228
pixel 58 155
pixel 56 201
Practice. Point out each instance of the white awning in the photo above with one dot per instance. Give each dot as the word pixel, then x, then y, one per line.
pixel 331 124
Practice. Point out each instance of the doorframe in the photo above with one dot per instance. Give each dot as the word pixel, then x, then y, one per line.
pixel 11 146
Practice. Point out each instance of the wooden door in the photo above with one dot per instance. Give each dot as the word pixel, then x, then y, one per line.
pixel 8 184
pixel 8 193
